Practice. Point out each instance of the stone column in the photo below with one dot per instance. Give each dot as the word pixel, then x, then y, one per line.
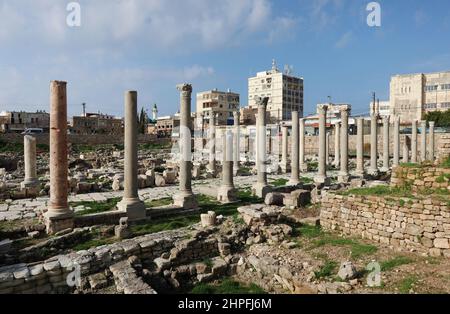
pixel 373 170
pixel 423 141
pixel 321 177
pixel 236 142
pixel 405 157
pixel 295 160
pixel 360 147
pixel 385 167
pixel 261 188
pixel 185 198
pixel 431 153
pixel 327 150
pixel 337 144
pixel 284 149
pixel 131 204
pixel 414 142
pixel 227 193
pixel 29 152
pixel 396 160
pixel 59 216
pixel 212 143
pixel 303 164
pixel 344 176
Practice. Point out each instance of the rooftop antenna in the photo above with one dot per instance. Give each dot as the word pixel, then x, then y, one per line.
pixel 288 69
pixel 274 65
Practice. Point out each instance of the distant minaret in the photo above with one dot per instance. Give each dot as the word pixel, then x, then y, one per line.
pixel 84 109
pixel 274 65
pixel 155 112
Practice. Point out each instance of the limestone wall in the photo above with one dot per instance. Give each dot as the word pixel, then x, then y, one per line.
pixel 421 178
pixel 423 224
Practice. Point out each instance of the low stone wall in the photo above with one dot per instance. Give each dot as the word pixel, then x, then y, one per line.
pixel 421 177
pixel 423 225
pixel 95 139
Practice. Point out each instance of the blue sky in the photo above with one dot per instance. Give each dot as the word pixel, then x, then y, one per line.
pixel 151 45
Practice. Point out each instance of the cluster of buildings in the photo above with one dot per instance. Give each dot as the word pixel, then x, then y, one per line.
pixel 411 97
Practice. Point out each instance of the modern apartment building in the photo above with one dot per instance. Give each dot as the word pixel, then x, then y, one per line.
pixel 96 123
pixel 413 95
pixel 221 103
pixel 285 93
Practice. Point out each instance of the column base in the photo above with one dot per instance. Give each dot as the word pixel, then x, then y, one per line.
pixel 227 194
pixel 55 222
pixel 134 208
pixel 360 173
pixel 185 201
pixel 261 189
pixel 322 180
pixel 29 184
pixel 343 178
pixel 383 169
pixel 304 167
pixel 293 182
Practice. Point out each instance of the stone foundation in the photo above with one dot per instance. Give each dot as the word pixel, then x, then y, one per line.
pixel 423 225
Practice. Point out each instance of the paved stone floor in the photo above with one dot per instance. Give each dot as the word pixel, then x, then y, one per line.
pixel 29 208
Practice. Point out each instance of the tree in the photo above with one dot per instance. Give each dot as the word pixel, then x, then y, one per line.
pixel 142 121
pixel 442 118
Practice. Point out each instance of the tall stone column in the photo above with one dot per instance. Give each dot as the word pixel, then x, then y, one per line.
pixel 321 177
pixel 29 153
pixel 405 156
pixel 295 160
pixel 385 167
pixel 284 149
pixel 212 143
pixel 303 164
pixel 236 142
pixel 185 197
pixel 131 204
pixel 360 147
pixel 344 174
pixel 58 216
pixel 227 193
pixel 423 141
pixel 431 153
pixel 373 169
pixel 261 188
pixel 396 160
pixel 337 144
pixel 414 142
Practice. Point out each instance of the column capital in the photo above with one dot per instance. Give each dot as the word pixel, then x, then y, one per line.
pixel 262 101
pixel 344 108
pixel 185 89
pixel 322 109
pixel 236 114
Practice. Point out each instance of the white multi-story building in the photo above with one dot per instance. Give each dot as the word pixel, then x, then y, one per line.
pixel 413 95
pixel 285 93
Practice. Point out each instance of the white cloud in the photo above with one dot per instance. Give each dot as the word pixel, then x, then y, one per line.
pixel 344 40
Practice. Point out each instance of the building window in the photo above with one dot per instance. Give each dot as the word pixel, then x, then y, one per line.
pixel 445 87
pixel 445 105
pixel 430 106
pixel 431 88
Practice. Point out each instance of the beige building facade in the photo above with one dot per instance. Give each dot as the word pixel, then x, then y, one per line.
pixel 285 93
pixel 413 95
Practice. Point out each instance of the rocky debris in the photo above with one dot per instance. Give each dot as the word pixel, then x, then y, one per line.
pixel 297 199
pixel 5 246
pixel 274 198
pixel 347 271
pixel 127 280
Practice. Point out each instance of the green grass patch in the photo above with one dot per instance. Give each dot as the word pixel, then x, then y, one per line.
pixel 446 163
pixel 395 262
pixel 357 249
pixel 158 203
pixel 154 146
pixel 409 165
pixel 380 190
pixel 405 285
pixel 96 207
pixel 328 269
pixel 95 242
pixel 279 182
pixel 227 286
pixel 306 180
pixel 6 147
pixel 309 231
